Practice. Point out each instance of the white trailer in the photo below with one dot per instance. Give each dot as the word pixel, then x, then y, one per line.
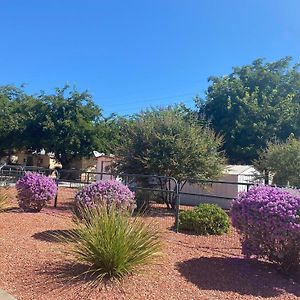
pixel 229 186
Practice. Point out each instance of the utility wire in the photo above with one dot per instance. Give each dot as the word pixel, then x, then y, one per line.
pixel 139 100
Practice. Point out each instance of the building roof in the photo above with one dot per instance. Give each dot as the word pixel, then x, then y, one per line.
pixel 239 169
pixel 98 154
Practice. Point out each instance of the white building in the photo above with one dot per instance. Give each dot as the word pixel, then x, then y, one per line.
pixel 103 165
pixel 233 181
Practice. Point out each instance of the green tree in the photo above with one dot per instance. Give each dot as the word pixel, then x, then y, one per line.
pixel 69 129
pixel 252 105
pixel 17 110
pixel 109 133
pixel 66 122
pixel 164 142
pixel 8 123
pixel 282 160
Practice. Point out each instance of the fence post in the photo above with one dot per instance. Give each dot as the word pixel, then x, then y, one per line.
pixel 56 181
pixel 177 207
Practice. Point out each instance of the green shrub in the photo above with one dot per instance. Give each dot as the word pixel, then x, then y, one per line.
pixel 142 199
pixel 112 244
pixel 205 219
pixel 282 161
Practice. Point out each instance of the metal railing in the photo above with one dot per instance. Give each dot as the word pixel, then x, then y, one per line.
pixel 136 182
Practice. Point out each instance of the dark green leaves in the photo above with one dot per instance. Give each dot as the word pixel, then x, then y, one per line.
pixel 252 105
pixel 165 142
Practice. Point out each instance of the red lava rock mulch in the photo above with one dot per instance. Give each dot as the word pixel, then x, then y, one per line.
pixel 32 267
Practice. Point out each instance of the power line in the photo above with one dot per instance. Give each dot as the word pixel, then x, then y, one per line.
pixel 138 107
pixel 153 99
pixel 132 94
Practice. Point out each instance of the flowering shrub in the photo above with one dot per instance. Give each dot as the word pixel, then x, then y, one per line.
pixel 268 220
pixel 105 192
pixel 205 219
pixel 34 190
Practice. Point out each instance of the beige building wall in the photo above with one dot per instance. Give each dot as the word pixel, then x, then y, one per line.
pixel 37 160
pixel 84 163
pixel 103 165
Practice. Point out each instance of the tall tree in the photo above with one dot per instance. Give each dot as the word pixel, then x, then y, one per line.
pixel 164 142
pixel 70 124
pixel 109 133
pixel 17 110
pixel 252 105
pixel 66 122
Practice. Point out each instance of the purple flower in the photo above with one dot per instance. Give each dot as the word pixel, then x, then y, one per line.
pixel 106 192
pixel 34 190
pixel 268 220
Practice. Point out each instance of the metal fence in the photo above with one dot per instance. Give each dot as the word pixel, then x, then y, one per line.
pixel 212 191
pixel 70 181
pixel 155 188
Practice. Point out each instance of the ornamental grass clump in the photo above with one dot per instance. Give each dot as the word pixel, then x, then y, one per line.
pixel 268 219
pixel 110 243
pixel 34 191
pixel 105 193
pixel 205 219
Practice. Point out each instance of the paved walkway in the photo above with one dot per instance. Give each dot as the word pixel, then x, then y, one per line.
pixel 5 296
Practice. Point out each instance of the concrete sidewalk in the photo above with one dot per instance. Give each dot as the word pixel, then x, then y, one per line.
pixel 5 296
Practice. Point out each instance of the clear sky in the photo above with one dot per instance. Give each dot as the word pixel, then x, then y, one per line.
pixel 133 54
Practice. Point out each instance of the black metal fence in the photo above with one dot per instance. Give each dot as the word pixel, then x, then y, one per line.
pixel 69 181
pixel 154 188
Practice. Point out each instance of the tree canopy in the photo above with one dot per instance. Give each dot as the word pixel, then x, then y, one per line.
pixel 70 123
pixel 16 112
pixel 254 104
pixel 282 162
pixel 164 142
pixel 66 122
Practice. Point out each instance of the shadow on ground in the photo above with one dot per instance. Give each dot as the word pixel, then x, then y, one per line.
pixel 53 236
pixel 67 272
pixel 63 205
pixel 245 277
pixel 159 211
pixel 63 276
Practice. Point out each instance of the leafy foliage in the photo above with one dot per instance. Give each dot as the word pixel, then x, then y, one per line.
pixel 34 191
pixel 13 118
pixel 268 220
pixel 109 133
pixel 206 219
pixel 112 244
pixel 67 123
pixel 164 142
pixel 252 105
pixel 106 193
pixel 283 161
pixel 142 199
pixel 70 124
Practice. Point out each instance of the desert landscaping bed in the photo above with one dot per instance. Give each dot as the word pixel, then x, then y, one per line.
pixel 33 267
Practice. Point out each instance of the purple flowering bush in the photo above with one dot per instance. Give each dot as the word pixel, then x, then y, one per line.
pixel 268 219
pixel 105 192
pixel 34 190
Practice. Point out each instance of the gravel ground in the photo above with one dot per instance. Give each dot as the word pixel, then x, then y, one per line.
pixel 193 267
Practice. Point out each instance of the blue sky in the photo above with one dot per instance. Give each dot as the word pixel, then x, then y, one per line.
pixel 133 54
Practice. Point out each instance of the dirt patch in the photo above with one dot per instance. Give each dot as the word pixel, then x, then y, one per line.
pixel 32 266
